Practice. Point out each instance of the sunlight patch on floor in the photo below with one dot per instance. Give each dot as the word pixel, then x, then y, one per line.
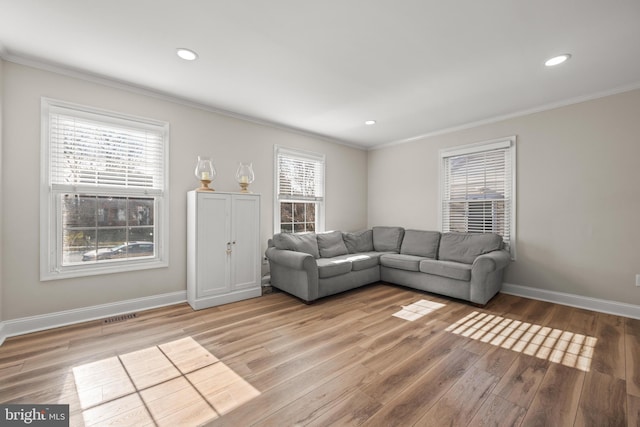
pixel 558 346
pixel 417 309
pixel 177 383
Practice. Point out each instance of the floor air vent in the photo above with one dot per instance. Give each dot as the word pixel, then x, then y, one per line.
pixel 121 318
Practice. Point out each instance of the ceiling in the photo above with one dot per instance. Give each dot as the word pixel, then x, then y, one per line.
pixel 417 67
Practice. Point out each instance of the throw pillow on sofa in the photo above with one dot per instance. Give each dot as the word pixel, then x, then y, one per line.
pixel 387 239
pixel 331 244
pixel 360 241
pixel 466 247
pixel 304 242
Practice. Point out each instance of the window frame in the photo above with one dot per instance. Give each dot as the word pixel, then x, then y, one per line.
pixel 319 201
pixel 508 143
pixel 51 225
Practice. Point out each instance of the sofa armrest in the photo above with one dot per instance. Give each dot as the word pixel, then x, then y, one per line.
pixel 294 272
pixel 486 275
pixel 490 262
pixel 292 259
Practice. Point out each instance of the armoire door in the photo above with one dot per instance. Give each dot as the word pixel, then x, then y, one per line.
pixel 214 244
pixel 245 259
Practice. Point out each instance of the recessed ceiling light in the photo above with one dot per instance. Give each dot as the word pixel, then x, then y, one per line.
pixel 556 60
pixel 186 54
pixel 370 122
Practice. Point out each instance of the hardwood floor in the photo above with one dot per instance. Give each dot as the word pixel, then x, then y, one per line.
pixel 345 360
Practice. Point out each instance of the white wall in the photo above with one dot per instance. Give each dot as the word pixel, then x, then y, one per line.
pixel 193 132
pixel 578 194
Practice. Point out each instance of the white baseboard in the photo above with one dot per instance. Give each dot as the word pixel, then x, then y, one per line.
pixel 25 325
pixel 573 300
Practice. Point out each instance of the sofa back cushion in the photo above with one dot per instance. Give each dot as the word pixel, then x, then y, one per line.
pixel 303 242
pixel 387 239
pixel 360 241
pixel 420 243
pixel 331 244
pixel 466 247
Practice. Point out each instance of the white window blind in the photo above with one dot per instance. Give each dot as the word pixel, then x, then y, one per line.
pixel 86 154
pixel 478 189
pixel 300 176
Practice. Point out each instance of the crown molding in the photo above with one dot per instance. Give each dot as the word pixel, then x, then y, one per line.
pixel 158 94
pixel 521 113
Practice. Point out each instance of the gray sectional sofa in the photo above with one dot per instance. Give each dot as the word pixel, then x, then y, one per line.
pixel 467 266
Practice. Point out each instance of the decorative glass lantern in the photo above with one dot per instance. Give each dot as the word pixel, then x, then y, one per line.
pixel 205 173
pixel 245 176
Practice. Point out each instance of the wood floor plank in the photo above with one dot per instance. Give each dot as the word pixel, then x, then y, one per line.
pixel 603 401
pixel 404 372
pixel 556 402
pixel 582 322
pixel 539 312
pixel 632 356
pixel 321 399
pixel 353 410
pixel 176 402
pixel 498 412
pixel 274 398
pixel 385 358
pixel 458 406
pixel 275 369
pixel 501 303
pixel 314 334
pixel 187 355
pixel 10 368
pixel 394 330
pixel 520 384
pixel 633 411
pixel 148 367
pixel 496 361
pixel 101 381
pixel 516 307
pixel 610 355
pixel 409 406
pixel 126 411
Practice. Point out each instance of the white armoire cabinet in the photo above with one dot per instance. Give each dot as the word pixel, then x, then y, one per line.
pixel 223 248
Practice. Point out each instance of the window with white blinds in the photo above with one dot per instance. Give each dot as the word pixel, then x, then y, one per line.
pixel 478 189
pixel 299 201
pixel 103 191
pixel 90 153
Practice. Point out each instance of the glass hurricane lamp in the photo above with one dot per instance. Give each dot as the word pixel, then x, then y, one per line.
pixel 205 173
pixel 245 176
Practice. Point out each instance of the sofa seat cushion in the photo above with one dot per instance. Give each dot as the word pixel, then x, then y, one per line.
pixel 466 247
pixel 420 243
pixel 364 260
pixel 450 269
pixel 329 267
pixel 330 244
pixel 401 262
